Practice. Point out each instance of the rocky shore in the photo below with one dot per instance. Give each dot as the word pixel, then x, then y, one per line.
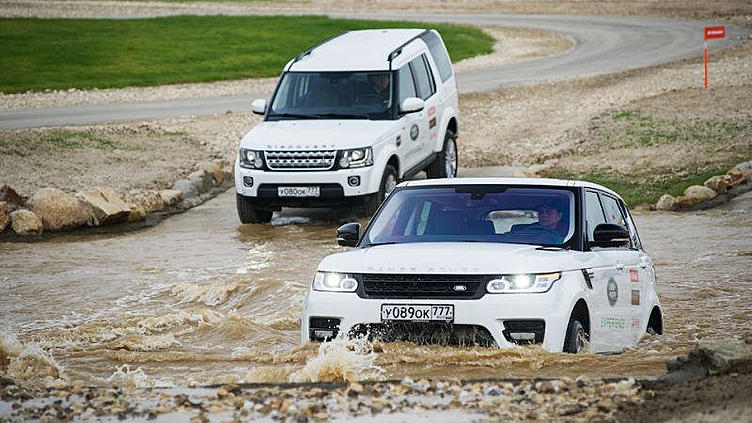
pixel 564 399
pixel 52 210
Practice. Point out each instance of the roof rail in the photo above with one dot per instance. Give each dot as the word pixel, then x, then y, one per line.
pixel 307 52
pixel 397 51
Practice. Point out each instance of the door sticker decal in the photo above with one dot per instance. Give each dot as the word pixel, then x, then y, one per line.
pixel 612 291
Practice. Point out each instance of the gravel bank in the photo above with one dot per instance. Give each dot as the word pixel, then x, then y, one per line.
pixel 737 11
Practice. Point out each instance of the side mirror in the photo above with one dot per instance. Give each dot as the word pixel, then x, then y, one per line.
pixel 412 105
pixel 348 234
pixel 258 106
pixel 610 235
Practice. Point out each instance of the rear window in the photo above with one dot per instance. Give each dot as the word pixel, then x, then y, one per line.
pixel 440 55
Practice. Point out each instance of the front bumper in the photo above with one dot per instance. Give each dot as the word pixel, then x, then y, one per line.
pixel 489 312
pixel 334 183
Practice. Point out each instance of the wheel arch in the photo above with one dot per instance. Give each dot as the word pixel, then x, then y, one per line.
pixel 655 321
pixel 448 122
pixel 581 312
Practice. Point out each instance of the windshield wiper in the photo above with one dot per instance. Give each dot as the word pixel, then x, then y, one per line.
pixel 344 115
pixel 294 115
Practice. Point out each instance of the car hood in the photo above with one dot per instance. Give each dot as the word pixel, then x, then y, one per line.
pixel 455 257
pixel 322 134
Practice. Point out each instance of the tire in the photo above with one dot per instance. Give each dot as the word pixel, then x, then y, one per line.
pixel 388 182
pixel 576 339
pixel 445 166
pixel 250 214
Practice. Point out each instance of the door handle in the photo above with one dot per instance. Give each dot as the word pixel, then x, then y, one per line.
pixel 643 265
pixel 619 266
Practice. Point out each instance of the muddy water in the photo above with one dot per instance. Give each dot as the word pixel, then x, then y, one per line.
pixel 200 299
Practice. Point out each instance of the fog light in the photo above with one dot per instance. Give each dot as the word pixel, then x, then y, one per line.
pixel 248 181
pixel 353 181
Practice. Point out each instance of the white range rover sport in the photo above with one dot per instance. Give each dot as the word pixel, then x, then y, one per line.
pixel 349 119
pixel 490 261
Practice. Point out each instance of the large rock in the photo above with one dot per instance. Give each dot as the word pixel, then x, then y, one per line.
pixel 60 211
pixel 683 202
pixel 4 218
pixel 150 201
pixel 187 186
pixel 666 202
pixel 12 199
pixel 220 171
pixel 710 358
pixel 700 193
pixel 736 177
pixel 170 197
pixel 108 206
pixel 25 222
pixel 718 183
pixel 202 179
pixel 745 168
pixel 137 214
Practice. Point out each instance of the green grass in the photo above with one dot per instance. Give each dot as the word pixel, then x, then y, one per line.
pixel 57 140
pixel 40 54
pixel 637 190
pixel 635 128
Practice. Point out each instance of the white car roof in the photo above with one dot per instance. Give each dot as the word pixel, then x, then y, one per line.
pixel 507 181
pixel 355 51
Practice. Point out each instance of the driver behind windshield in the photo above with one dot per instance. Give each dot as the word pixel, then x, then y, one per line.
pixel 550 216
pixel 379 88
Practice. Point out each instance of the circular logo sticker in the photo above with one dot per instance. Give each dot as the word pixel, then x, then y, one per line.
pixel 612 291
pixel 414 131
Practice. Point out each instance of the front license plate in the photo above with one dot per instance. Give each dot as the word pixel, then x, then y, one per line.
pixel 298 191
pixel 417 312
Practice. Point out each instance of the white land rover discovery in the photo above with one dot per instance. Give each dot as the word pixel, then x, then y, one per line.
pixel 349 119
pixel 490 261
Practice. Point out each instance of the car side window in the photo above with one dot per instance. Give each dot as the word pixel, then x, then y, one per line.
pixel 423 78
pixel 406 85
pixel 633 235
pixel 440 55
pixel 593 213
pixel 613 212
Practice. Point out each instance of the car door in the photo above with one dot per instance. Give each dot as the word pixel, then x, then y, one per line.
pixel 410 122
pixel 627 264
pixel 428 125
pixel 609 328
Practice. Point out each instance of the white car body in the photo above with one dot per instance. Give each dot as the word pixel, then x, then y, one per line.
pixel 616 317
pixel 409 142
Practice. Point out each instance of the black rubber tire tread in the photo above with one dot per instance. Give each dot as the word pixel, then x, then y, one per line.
pixel 249 214
pixel 437 169
pixel 374 200
pixel 570 341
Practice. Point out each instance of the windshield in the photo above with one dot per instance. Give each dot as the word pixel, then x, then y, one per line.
pixel 336 95
pixel 476 213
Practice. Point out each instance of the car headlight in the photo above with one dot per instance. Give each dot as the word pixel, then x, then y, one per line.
pixel 522 283
pixel 358 157
pixel 251 159
pixel 333 281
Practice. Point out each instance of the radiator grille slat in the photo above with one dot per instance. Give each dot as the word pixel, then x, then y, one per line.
pixel 423 286
pixel 300 160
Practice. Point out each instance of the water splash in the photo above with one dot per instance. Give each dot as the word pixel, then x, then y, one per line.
pixel 341 360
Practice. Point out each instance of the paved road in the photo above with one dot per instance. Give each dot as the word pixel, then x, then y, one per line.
pixel 603 44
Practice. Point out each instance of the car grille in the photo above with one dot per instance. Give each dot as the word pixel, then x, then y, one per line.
pixel 422 286
pixel 300 160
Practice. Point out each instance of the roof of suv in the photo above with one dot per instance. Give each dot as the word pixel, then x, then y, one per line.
pixel 355 50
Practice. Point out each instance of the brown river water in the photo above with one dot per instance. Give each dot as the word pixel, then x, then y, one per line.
pixel 200 299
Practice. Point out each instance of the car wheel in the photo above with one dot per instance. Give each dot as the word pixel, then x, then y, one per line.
pixel 576 339
pixel 388 182
pixel 445 166
pixel 248 213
